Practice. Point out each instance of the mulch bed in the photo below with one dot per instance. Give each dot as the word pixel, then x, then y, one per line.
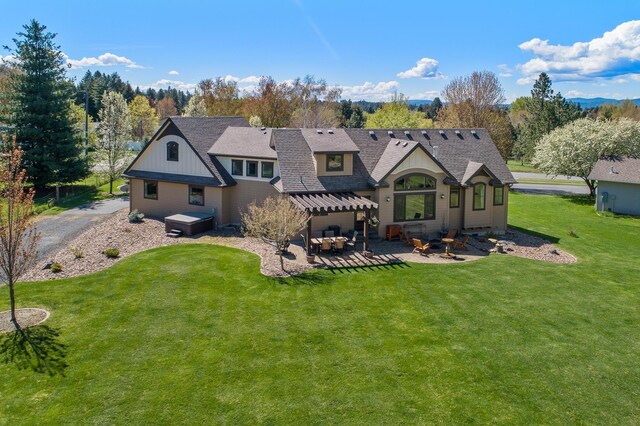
pixel 27 317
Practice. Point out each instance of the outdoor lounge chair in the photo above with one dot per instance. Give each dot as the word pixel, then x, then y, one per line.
pixel 461 244
pixel 418 247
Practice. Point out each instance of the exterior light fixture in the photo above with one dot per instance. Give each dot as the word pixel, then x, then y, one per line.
pixel 388 199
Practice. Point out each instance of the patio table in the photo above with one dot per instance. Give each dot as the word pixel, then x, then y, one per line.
pixel 317 242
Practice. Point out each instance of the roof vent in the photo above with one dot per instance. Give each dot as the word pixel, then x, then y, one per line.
pixel 398 143
pixel 319 131
pixel 475 134
pixel 459 134
pixel 330 131
pixel 612 171
pixel 390 132
pixel 444 136
pixel 372 133
pixel 407 133
pixel 425 134
pixel 405 144
pixel 441 132
pixel 263 128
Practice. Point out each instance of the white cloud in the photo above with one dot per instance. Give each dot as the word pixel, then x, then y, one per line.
pixel 176 84
pixel 426 68
pixel 369 91
pixel 429 94
pixel 505 71
pixel 173 72
pixel 104 60
pixel 614 54
pixel 252 79
pixel 576 94
pixel 9 59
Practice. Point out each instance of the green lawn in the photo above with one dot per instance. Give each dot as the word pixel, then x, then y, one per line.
pixel 517 166
pixel 82 192
pixel 194 334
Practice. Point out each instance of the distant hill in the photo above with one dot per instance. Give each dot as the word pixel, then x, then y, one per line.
pixel 418 102
pixel 596 102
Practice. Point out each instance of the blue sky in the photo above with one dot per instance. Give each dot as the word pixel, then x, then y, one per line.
pixel 369 48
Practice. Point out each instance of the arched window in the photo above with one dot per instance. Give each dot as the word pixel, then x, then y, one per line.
pixel 414 183
pixel 172 151
pixel 414 198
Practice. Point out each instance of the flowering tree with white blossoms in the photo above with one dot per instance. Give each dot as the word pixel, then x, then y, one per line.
pixel 574 149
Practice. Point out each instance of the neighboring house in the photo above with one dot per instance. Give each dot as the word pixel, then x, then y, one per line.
pixel 426 180
pixel 618 187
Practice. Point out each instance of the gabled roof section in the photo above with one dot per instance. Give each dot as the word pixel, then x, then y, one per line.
pixel 396 152
pixel 244 142
pixel 298 172
pixel 452 150
pixel 329 141
pixel 201 133
pixel 617 169
pixel 474 169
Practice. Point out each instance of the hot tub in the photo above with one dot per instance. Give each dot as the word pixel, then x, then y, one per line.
pixel 189 223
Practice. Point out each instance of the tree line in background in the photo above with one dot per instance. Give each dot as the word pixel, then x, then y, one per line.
pixel 46 111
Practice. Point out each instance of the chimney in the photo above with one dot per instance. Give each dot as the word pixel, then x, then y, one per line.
pixel 435 152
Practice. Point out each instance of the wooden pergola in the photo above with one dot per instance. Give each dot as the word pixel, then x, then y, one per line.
pixel 334 202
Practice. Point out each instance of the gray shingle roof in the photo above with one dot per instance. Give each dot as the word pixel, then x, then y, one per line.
pixel 170 177
pixel 244 142
pixel 453 151
pixel 336 141
pixel 396 151
pixel 202 133
pixel 617 169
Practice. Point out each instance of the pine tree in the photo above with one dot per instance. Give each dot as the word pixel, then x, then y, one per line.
pixel 39 110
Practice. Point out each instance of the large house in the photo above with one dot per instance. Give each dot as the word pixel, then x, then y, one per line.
pixel 618 187
pixel 426 180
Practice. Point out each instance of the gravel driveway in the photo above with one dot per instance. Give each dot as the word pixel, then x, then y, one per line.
pixel 57 230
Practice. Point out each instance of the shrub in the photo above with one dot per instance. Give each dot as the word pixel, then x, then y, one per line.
pixel 490 234
pixel 112 253
pixel 77 252
pixel 56 267
pixel 135 216
pixel 572 233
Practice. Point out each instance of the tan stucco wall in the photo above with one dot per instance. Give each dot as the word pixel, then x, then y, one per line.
pixel 478 218
pixel 385 209
pixel 345 220
pixel 321 165
pixel 239 196
pixel 499 216
pixel 455 214
pixel 173 198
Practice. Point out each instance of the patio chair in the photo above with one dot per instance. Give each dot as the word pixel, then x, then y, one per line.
pixel 452 233
pixel 338 246
pixel 351 244
pixel 461 244
pixel 326 245
pixel 418 247
pixel 408 239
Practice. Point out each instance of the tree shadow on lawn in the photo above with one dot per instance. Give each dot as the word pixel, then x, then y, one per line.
pixel 37 348
pixel 304 279
pixel 549 238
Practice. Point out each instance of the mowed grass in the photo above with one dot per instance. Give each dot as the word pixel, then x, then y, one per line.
pixel 518 166
pixel 194 334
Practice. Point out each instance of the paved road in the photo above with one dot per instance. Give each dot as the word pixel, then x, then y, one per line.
pixel 534 188
pixel 520 175
pixel 59 229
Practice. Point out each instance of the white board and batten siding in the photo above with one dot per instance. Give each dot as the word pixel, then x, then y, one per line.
pixel 154 159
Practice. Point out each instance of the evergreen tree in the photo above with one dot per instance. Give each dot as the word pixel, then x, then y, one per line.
pixel 434 108
pixel 357 118
pixel 40 110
